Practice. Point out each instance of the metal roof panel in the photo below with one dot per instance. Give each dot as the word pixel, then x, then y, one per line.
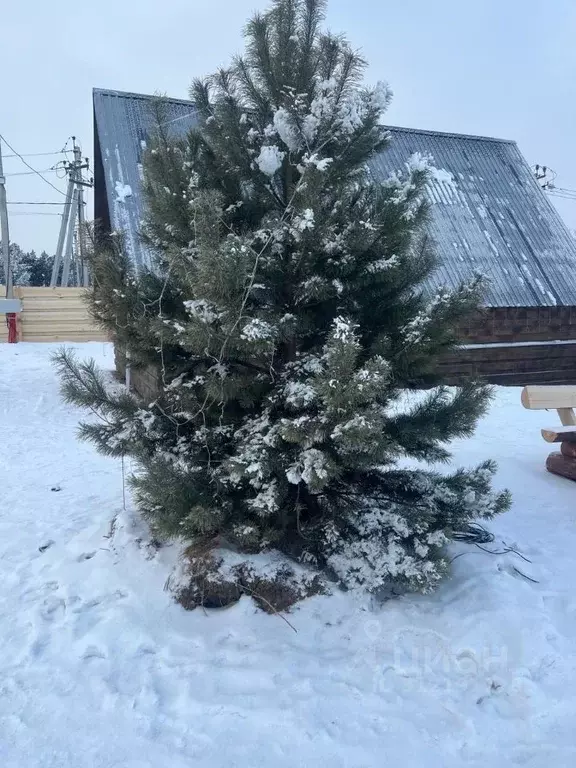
pixel 488 212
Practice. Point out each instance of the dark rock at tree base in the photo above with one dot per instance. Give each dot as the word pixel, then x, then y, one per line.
pixel 280 591
pixel 206 581
pixel 209 592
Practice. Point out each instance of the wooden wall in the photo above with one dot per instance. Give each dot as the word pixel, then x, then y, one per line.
pixel 53 314
pixel 517 346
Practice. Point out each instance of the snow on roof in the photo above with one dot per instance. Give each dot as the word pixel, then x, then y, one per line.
pixel 488 212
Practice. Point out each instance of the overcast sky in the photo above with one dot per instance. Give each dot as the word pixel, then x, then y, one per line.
pixel 502 68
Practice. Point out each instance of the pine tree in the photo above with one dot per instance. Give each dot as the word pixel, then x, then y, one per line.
pixel 27 267
pixel 40 268
pixel 290 315
pixel 19 266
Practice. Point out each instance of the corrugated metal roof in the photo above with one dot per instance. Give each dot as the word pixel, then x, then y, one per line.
pixel 488 211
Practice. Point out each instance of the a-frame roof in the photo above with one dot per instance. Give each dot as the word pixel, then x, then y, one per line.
pixel 488 212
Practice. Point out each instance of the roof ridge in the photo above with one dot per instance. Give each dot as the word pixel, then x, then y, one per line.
pixel 142 96
pixel 470 136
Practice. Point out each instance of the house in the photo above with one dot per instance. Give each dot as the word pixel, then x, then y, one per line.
pixel 488 214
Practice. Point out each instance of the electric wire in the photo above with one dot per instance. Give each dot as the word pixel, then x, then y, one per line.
pixel 27 164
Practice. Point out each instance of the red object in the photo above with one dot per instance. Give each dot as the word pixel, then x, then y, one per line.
pixel 12 327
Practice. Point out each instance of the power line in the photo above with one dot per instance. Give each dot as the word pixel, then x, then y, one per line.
pixel 38 173
pixel 33 202
pixel 563 192
pixel 34 173
pixel 36 154
pixel 544 174
pixel 562 197
pixel 546 177
pixel 566 194
pixel 34 213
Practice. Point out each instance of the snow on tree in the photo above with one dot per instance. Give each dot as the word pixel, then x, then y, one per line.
pixel 18 265
pixel 27 267
pixel 290 316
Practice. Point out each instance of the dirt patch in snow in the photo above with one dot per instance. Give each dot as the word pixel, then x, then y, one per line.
pixel 217 578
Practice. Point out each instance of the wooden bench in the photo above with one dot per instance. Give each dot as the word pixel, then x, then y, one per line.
pixel 563 400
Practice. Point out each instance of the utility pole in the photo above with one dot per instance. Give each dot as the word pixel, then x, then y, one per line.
pixel 63 230
pixel 83 266
pixel 73 211
pixel 544 176
pixel 4 232
pixel 70 239
pixel 8 306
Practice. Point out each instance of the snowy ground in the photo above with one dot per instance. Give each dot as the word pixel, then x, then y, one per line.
pixel 98 669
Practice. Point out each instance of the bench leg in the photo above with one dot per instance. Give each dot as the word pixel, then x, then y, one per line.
pixel 567 417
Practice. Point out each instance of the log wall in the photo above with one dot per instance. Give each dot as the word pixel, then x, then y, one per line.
pixel 511 346
pixel 53 314
pixel 516 346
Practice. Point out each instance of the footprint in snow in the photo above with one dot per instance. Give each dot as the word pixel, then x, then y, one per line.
pixel 38 647
pixel 86 613
pixel 51 607
pixel 93 652
pixel 35 593
pixel 85 556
